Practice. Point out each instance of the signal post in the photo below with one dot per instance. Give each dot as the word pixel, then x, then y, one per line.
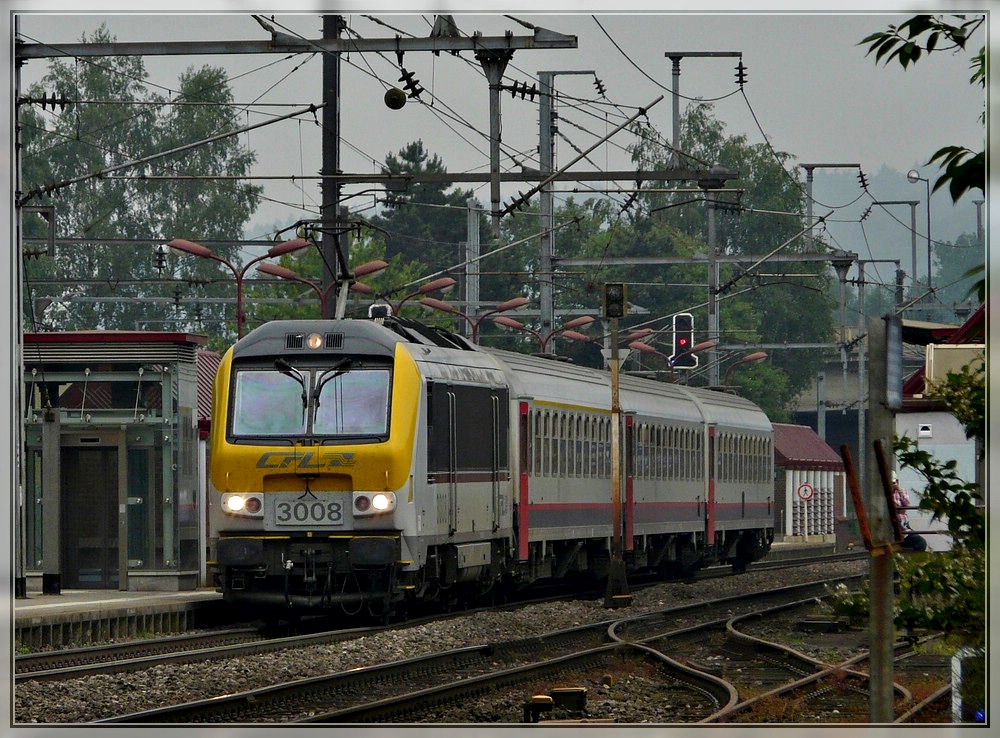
pixel 617 594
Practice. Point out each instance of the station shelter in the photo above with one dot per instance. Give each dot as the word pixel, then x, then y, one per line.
pixel 113 492
pixel 810 486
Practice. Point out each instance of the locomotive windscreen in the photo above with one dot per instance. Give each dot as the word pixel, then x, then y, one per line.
pixel 354 404
pixel 272 403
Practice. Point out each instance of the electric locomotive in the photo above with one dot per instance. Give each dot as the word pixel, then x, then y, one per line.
pixel 364 465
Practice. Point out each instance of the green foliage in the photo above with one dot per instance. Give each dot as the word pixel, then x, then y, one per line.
pixel 946 495
pixel 964 170
pixel 903 42
pixel 792 304
pixel 425 221
pixel 114 124
pixel 944 591
pixel 964 392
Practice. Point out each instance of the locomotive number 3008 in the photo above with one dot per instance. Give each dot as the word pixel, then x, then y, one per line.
pixel 308 512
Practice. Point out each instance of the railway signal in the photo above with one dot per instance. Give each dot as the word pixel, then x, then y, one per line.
pixel 683 357
pixel 615 300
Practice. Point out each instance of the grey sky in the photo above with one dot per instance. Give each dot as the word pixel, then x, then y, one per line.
pixel 810 90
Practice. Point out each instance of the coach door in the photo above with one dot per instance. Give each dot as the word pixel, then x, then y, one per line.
pixel 91 469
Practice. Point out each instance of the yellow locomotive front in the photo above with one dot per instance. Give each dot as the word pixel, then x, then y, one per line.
pixel 313 435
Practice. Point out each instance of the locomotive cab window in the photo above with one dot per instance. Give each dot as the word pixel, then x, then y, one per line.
pixel 267 403
pixel 344 402
pixel 354 404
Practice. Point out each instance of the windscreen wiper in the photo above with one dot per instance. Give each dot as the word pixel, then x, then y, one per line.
pixel 332 373
pixel 290 371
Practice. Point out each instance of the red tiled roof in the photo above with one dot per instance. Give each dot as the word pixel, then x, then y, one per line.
pixel 800 447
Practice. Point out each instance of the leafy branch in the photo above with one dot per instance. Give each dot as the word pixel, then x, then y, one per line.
pixel 903 42
pixel 963 169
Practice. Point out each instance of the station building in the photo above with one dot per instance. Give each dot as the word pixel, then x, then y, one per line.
pixel 809 486
pixel 113 492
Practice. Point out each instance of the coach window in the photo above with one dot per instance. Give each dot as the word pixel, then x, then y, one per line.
pixel 728 457
pixel 574 446
pixel 685 440
pixel 548 430
pixel 671 453
pixel 557 444
pixel 661 451
pixel 681 454
pixel 539 417
pixel 642 451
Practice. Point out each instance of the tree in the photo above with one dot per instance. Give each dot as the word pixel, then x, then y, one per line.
pixel 425 222
pixel 961 263
pixel 112 121
pixel 790 305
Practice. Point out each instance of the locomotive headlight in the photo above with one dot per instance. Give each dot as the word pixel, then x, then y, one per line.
pixel 367 503
pixel 242 504
pixel 314 340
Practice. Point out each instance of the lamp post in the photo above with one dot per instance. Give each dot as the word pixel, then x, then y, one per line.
pixel 196 249
pixel 276 270
pixel 913 176
pixel 512 304
pixel 647 349
pixel 749 358
pixel 565 330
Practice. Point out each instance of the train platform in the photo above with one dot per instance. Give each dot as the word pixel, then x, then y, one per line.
pixel 76 617
pixel 792 549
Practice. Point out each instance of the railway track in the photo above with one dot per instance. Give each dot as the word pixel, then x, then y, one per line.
pixel 409 688
pixel 790 686
pixel 144 654
pixel 713 660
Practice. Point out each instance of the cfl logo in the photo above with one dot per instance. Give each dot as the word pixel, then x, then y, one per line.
pixel 307 460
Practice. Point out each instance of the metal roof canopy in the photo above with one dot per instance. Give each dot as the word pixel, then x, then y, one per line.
pixel 110 347
pixel 800 447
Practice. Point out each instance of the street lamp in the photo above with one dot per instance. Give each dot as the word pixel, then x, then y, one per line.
pixel 647 349
pixel 196 249
pixel 512 304
pixel 914 176
pixel 565 330
pixel 441 283
pixel 276 270
pixel 749 358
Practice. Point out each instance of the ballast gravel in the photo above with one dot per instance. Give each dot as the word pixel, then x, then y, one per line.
pixel 101 696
